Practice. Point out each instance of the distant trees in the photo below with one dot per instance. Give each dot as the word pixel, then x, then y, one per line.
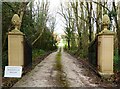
pixel 67 15
pixel 85 20
pixel 41 20
pixel 43 35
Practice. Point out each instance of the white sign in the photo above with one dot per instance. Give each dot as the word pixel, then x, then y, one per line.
pixel 13 71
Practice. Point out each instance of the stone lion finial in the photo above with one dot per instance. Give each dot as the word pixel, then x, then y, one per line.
pixel 106 20
pixel 16 21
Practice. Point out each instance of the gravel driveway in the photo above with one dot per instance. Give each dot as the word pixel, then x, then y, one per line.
pixel 72 73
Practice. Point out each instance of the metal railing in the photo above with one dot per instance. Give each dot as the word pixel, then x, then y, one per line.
pixel 27 53
pixel 92 52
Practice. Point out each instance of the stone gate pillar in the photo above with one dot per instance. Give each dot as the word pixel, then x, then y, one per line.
pixel 105 49
pixel 15 44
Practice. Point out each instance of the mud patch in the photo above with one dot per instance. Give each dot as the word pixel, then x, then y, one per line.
pixel 60 75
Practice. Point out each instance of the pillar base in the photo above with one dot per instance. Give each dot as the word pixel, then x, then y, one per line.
pixel 105 75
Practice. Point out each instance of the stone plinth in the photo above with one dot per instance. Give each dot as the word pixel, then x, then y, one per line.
pixel 105 52
pixel 15 48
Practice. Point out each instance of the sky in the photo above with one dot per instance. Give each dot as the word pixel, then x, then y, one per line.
pixel 54 8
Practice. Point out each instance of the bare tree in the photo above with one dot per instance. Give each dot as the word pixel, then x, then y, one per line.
pixel 42 20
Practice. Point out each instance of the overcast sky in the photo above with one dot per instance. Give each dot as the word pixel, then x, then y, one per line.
pixel 54 9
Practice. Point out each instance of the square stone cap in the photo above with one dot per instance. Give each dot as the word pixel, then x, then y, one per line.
pixel 15 32
pixel 106 32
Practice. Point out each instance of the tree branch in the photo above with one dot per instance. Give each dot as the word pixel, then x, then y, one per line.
pixel 101 5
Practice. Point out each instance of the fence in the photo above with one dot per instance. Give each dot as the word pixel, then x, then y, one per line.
pixel 27 53
pixel 92 52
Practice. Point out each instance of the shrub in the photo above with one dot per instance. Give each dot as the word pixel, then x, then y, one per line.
pixel 116 61
pixel 37 52
pixel 4 60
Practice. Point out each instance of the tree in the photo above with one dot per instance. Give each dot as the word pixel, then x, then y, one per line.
pixel 67 15
pixel 89 9
pixel 42 20
pixel 118 27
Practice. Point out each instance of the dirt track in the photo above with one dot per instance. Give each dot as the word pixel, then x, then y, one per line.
pixel 72 73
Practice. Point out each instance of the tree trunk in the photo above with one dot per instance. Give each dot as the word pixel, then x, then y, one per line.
pixel 21 11
pixel 38 37
pixel 98 17
pixel 118 26
pixel 89 8
pixel 68 44
pixel 78 24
